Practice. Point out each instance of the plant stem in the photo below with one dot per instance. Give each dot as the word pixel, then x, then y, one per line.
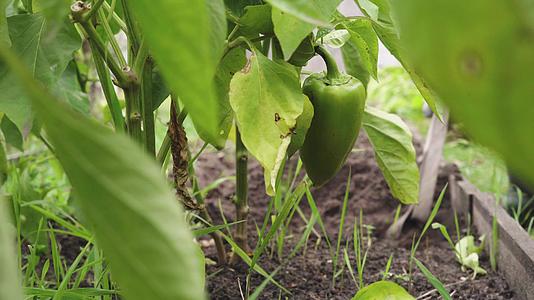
pixel 332 70
pixel 133 30
pixel 241 200
pixel 116 18
pixel 243 40
pixel 114 45
pixel 216 236
pixel 94 9
pixel 99 48
pixel 109 93
pixel 146 104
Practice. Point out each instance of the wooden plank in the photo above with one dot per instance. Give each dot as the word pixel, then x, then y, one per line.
pixel 432 154
pixel 515 254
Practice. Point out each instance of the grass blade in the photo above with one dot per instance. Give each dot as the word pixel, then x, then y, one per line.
pixel 433 280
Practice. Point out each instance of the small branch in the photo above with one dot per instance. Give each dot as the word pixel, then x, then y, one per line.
pixel 93 9
pixel 141 58
pixel 109 93
pixel 107 29
pixel 111 11
pixel 241 200
pixel 133 30
pixel 78 11
pixel 243 40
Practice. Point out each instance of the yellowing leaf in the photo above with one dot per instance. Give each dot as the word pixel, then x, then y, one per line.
pixel 267 99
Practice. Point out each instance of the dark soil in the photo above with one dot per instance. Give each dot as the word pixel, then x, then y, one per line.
pixel 309 274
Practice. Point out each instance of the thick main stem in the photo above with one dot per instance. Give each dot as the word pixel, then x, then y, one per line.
pixel 146 104
pixel 241 200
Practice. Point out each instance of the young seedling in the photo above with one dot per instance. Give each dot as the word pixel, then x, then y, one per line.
pixel 466 251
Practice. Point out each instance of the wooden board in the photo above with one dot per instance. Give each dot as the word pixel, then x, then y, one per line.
pixel 432 154
pixel 515 252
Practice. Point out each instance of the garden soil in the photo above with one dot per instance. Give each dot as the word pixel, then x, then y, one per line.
pixel 309 274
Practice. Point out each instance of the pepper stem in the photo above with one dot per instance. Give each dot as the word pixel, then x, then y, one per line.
pixel 332 70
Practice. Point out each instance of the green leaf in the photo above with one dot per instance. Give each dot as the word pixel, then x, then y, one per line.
pixel 302 126
pixel 53 10
pixel 479 165
pixel 354 64
pixel 394 152
pixel 218 27
pixel 317 12
pixel 46 49
pixel 482 75
pixel 438 285
pixel 3 165
pixel 336 38
pixel 467 253
pixel 5 41
pixel 256 19
pixel 379 11
pixel 160 90
pixel 364 40
pixel 369 8
pixel 237 7
pixel 383 290
pixel 267 99
pixel 290 31
pixel 9 278
pixel 11 133
pixel 185 45
pixel 135 216
pixel 68 88
pixel 294 20
pixel 234 61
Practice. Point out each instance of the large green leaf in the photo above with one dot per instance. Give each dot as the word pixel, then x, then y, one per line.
pixel 135 216
pixel 46 49
pixel 186 42
pixel 234 61
pixel 267 99
pixel 291 27
pixel 379 11
pixel 481 65
pixel 364 40
pixel 217 26
pixel 316 12
pixel 9 279
pixel 383 290
pixel 4 31
pixel 394 152
pixel 237 7
pixel 290 31
pixel 354 62
pixel 256 19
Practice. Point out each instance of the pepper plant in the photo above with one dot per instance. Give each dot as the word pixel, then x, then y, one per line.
pixel 225 65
